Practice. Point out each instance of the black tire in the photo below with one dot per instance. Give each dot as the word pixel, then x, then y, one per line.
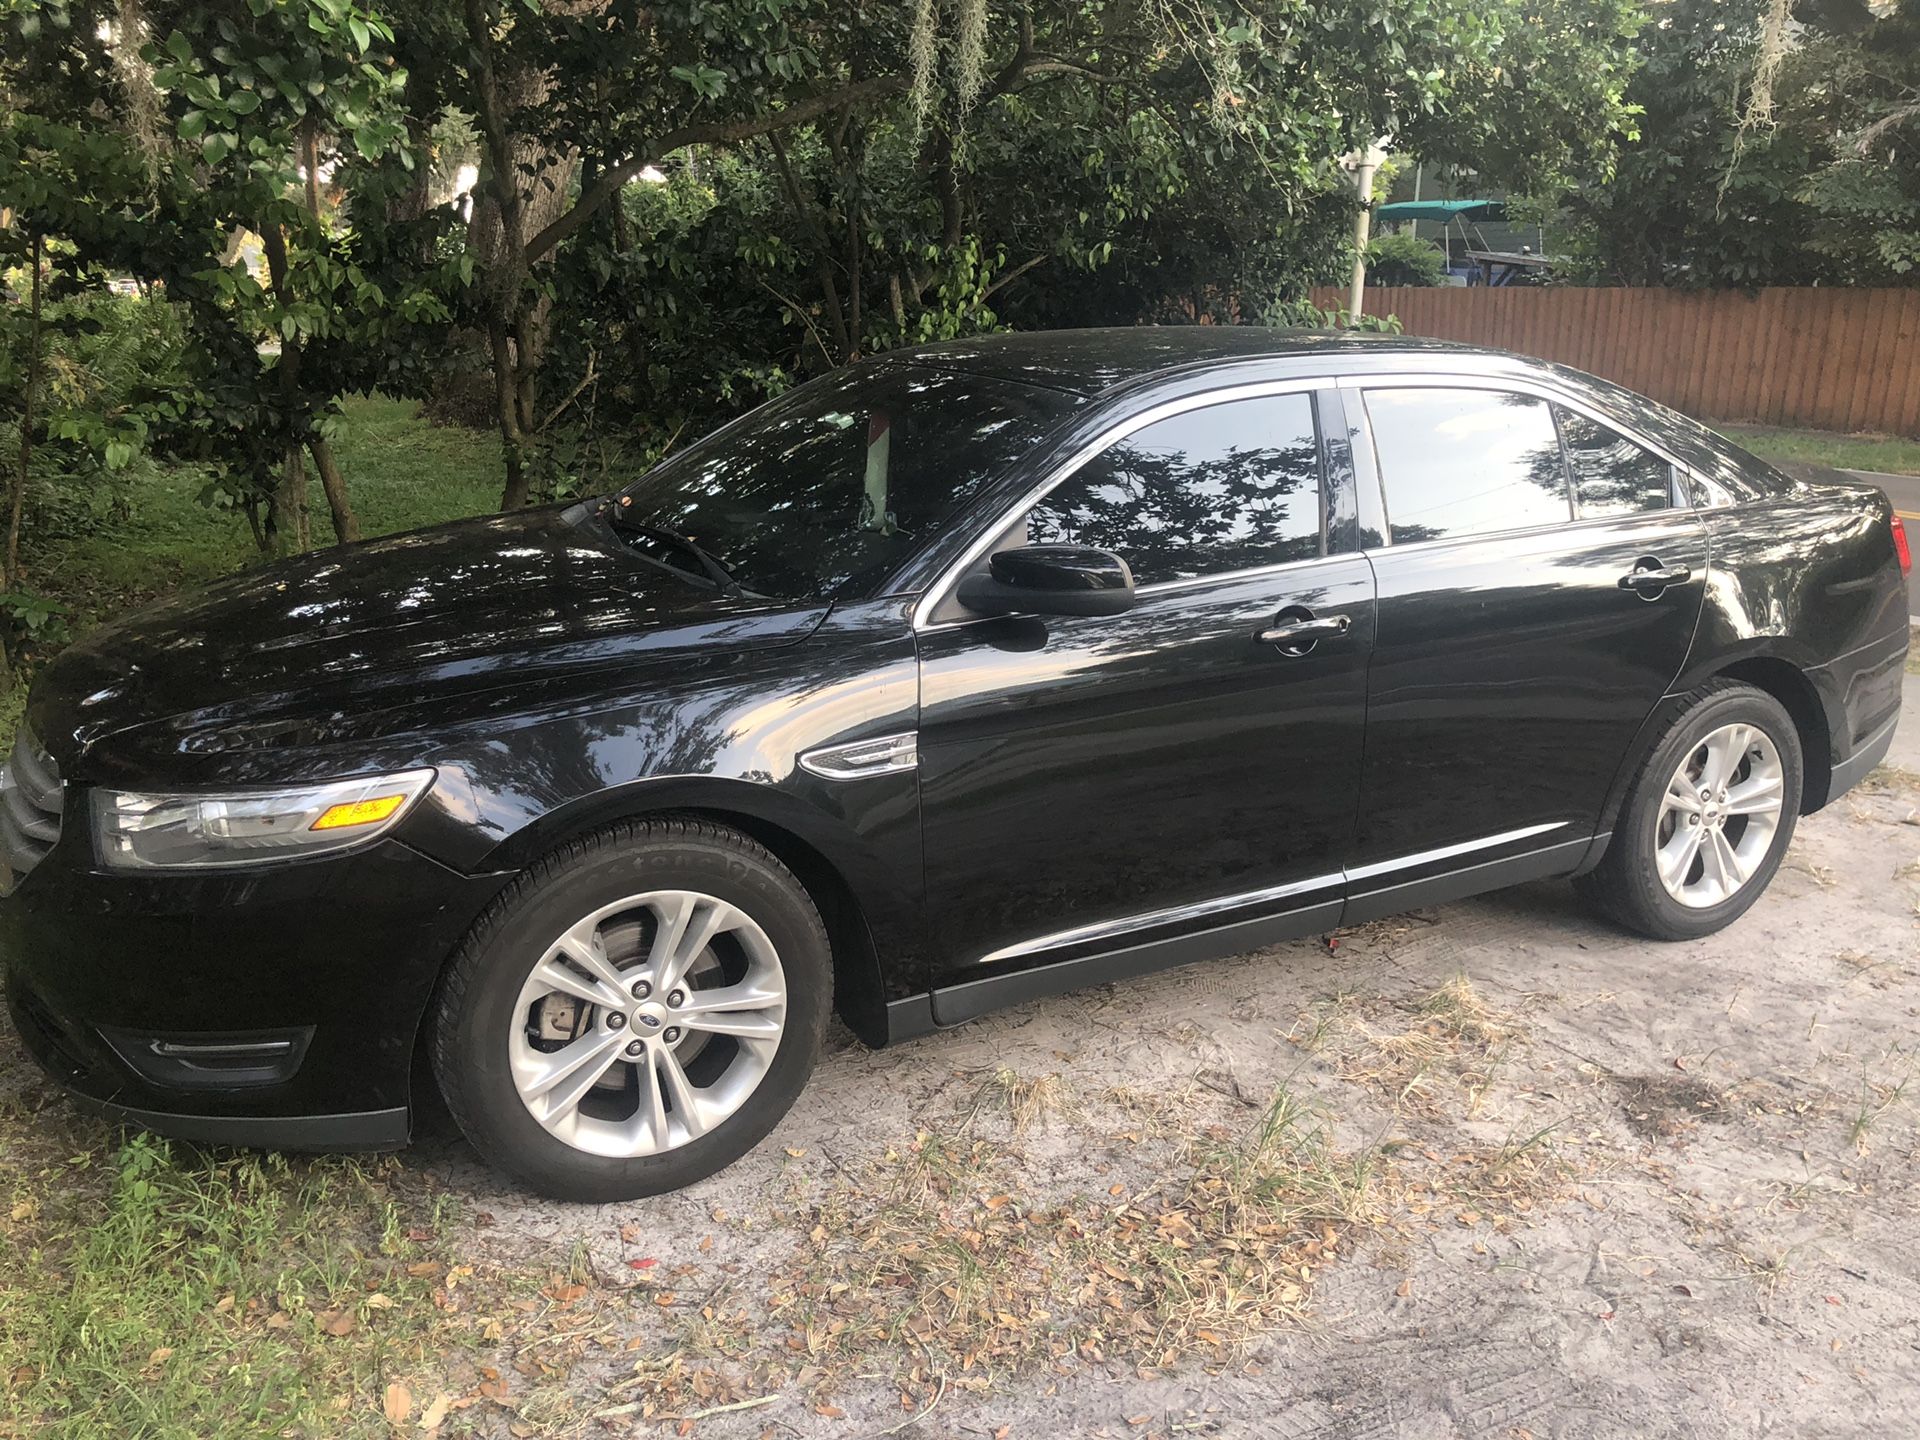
pixel 475 1008
pixel 1626 885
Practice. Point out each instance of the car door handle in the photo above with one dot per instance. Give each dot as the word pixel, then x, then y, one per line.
pixel 1304 632
pixel 1652 575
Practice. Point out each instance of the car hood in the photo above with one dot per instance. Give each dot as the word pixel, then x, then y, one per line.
pixel 319 647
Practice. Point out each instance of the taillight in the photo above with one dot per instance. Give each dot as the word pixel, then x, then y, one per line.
pixel 1900 545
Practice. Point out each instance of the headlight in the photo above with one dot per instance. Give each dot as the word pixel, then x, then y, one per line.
pixel 245 827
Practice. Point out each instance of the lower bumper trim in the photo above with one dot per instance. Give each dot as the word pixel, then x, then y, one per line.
pixel 357 1130
pixel 1856 767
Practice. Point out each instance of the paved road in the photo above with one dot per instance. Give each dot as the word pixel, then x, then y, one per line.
pixel 1904 491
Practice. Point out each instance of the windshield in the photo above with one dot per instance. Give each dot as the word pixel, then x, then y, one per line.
pixel 827 490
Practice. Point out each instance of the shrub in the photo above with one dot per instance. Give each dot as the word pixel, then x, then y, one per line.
pixel 1396 259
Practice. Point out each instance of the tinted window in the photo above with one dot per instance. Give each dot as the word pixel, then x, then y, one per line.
pixel 1611 474
pixel 830 488
pixel 1466 462
pixel 1229 487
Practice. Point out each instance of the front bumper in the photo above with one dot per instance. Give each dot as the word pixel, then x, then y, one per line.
pixel 277 1007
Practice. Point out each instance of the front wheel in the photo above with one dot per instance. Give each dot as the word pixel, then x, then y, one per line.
pixel 1708 819
pixel 637 1011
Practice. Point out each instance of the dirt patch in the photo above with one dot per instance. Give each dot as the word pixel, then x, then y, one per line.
pixel 1656 1107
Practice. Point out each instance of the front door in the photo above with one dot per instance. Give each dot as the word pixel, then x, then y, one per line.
pixel 1092 786
pixel 1539 588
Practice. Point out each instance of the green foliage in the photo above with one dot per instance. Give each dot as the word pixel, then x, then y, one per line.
pixel 1822 189
pixel 223 108
pixel 1397 259
pixel 1305 315
pixel 110 363
pixel 840 180
pixel 41 621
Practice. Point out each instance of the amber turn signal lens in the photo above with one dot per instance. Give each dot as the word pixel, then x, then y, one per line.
pixel 358 812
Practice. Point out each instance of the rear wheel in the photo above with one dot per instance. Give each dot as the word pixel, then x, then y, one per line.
pixel 1708 819
pixel 636 1012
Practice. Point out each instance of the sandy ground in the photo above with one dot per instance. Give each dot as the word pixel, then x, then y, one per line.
pixel 1586 1186
pixel 1718 1240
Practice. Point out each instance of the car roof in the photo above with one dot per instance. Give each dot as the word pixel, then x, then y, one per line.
pixel 1091 362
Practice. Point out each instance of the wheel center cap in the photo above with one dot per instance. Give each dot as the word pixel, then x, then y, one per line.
pixel 648 1017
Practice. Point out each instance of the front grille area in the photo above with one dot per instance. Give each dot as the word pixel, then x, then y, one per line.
pixel 32 799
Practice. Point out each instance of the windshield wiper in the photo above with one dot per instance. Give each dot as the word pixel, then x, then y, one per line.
pixel 616 515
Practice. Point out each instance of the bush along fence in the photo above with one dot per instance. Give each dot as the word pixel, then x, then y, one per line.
pixel 1831 359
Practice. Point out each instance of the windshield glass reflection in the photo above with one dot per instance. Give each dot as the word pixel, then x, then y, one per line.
pixel 827 490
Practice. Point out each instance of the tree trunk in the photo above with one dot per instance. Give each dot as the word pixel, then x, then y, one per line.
pixel 288 528
pixel 524 187
pixel 345 527
pixel 289 531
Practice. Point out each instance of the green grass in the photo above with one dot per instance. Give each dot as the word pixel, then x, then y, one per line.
pixel 401 472
pixel 1886 454
pixel 162 1293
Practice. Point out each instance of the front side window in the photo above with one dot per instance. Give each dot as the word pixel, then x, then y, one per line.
pixel 1611 474
pixel 1466 462
pixel 1227 487
pixel 829 489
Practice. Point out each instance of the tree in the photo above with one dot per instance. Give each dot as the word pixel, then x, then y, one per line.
pixel 1768 153
pixel 912 163
pixel 229 113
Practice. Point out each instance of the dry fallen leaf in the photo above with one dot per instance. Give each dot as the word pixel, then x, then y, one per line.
pixel 830 1412
pixel 159 1357
pixel 436 1412
pixel 336 1322
pixel 398 1403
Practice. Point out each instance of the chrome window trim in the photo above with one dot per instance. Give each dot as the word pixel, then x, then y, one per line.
pixel 1225 904
pixel 937 594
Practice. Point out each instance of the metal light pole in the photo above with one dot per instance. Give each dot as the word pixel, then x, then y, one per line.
pixel 1363 163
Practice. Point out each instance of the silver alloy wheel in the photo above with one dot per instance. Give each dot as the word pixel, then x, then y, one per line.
pixel 674 1005
pixel 1719 815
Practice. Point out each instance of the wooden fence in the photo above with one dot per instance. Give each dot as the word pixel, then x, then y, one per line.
pixel 1832 359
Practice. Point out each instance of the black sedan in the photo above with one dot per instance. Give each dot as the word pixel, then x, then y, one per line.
pixel 958 677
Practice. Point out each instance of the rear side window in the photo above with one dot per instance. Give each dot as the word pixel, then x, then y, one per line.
pixel 1611 474
pixel 1466 462
pixel 1228 487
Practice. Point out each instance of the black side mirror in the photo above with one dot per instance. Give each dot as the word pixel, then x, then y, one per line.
pixel 1050 580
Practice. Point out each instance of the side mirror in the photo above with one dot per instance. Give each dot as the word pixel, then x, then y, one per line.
pixel 1050 580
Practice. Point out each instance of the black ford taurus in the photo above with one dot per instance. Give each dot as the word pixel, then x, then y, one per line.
pixel 956 678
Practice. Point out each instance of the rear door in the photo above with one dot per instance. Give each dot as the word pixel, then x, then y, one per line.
pixel 1090 784
pixel 1538 591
